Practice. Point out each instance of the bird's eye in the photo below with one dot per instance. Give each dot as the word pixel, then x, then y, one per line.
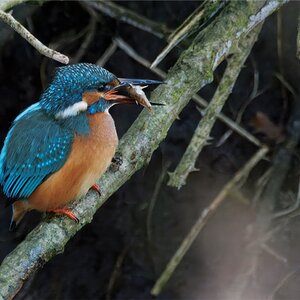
pixel 100 88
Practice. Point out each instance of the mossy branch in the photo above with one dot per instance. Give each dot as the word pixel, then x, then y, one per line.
pixel 202 132
pixel 192 24
pixel 192 71
pixel 7 4
pixel 196 98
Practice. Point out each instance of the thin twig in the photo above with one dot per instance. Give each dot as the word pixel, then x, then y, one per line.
pixel 290 209
pixel 268 9
pixel 250 263
pixel 281 65
pixel 264 225
pixel 282 282
pixel 202 132
pixel 196 98
pixel 202 220
pixel 253 95
pixel 116 272
pixel 19 28
pixel 87 41
pixel 298 38
pixel 133 54
pixel 107 54
pixel 286 84
pixel 260 185
pixel 154 199
pixel 273 253
pixel 67 38
pixel 126 15
pixel 268 235
pixel 8 4
pixel 201 15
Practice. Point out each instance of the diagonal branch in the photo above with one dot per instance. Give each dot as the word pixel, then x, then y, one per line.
pixel 202 132
pixel 123 14
pixel 196 98
pixel 192 71
pixel 31 39
pixel 203 219
pixel 195 22
pixel 7 4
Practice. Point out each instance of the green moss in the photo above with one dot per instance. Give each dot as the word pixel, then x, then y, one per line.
pixel 192 71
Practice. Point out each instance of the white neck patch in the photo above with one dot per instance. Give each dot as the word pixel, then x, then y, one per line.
pixel 72 110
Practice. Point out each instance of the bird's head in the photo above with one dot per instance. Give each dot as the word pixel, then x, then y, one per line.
pixel 82 89
pixel 64 95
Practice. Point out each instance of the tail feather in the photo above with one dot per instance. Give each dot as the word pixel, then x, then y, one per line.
pixel 3 197
pixel 20 208
pixel 8 201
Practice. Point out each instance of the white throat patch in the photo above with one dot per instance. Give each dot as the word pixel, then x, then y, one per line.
pixel 72 110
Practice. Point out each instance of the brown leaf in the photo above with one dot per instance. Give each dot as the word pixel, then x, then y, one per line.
pixel 262 123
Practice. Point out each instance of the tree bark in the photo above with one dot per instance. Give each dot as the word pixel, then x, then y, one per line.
pixel 193 70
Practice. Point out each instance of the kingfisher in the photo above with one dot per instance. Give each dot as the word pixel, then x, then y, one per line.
pixel 58 147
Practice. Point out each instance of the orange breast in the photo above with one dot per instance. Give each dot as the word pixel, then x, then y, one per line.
pixel 89 158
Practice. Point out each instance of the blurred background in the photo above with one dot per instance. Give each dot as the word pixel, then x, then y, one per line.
pixel 123 251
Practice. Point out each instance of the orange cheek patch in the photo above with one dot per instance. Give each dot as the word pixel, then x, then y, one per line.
pixel 91 97
pixel 114 82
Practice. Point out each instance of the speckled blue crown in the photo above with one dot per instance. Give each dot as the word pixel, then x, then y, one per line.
pixel 70 82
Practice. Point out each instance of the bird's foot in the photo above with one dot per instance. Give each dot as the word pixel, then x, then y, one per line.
pixel 65 211
pixel 96 188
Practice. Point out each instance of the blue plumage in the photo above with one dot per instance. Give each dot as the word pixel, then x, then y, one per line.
pixel 69 83
pixel 98 106
pixel 38 144
pixel 35 147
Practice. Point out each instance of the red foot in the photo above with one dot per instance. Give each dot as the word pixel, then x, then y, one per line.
pixel 65 211
pixel 96 188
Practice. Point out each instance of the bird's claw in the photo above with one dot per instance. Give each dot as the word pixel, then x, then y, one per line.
pixel 65 211
pixel 96 187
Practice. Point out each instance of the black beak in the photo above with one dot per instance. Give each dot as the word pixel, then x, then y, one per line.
pixel 128 81
pixel 157 104
pixel 131 91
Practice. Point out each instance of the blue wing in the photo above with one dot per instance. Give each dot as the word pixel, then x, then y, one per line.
pixel 35 147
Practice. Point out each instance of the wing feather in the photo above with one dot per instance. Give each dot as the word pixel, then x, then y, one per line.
pixel 35 147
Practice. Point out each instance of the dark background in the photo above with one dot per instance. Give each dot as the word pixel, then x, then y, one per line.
pixel 118 232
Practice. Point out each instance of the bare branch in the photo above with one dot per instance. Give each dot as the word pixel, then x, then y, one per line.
pixel 153 199
pixel 196 98
pixel 107 54
pixel 268 9
pixel 19 28
pixel 202 220
pixel 7 4
pixel 91 30
pixel 202 132
pixel 298 38
pixel 123 14
pixel 282 283
pixel 201 15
